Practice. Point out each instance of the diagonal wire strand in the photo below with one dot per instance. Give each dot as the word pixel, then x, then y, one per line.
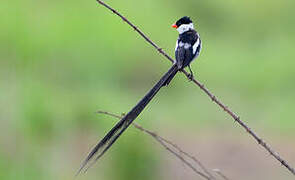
pixel 162 141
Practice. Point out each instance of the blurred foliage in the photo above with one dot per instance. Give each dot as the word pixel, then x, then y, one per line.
pixel 60 61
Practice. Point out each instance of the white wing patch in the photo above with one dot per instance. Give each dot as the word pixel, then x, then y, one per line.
pixel 195 46
pixel 180 44
pixel 176 45
pixel 187 45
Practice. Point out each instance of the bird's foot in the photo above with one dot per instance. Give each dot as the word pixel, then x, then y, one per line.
pixel 190 77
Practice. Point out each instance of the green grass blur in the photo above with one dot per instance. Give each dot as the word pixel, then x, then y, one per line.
pixel 60 61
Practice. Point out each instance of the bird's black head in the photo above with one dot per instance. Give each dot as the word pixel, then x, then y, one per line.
pixel 183 20
pixel 184 24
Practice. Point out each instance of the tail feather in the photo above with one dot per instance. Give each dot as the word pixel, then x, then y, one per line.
pixel 125 122
pixel 170 78
pixel 108 138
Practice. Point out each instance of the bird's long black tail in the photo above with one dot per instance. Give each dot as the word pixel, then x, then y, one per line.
pixel 124 123
pixel 171 76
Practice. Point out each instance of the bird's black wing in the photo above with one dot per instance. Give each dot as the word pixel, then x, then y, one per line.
pixel 184 55
pixel 179 56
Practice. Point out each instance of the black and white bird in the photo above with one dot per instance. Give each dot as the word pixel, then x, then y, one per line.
pixel 188 47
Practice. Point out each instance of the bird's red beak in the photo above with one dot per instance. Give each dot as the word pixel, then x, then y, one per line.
pixel 174 26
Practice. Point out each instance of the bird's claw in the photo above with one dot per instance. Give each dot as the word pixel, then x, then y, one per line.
pixel 190 77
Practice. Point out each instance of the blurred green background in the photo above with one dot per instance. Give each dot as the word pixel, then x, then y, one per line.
pixel 60 61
